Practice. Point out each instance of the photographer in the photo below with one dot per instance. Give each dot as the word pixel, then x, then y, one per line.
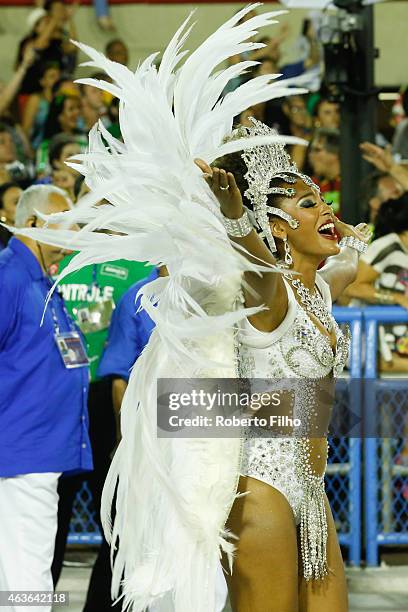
pixel 11 169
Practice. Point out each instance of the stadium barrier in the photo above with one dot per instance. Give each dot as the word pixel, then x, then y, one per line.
pixel 385 410
pixel 385 516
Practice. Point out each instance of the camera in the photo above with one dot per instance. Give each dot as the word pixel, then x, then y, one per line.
pixel 19 172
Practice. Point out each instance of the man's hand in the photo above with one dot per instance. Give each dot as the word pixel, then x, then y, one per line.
pixel 380 158
pixel 225 189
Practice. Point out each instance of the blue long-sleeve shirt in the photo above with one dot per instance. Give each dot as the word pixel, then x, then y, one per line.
pixel 129 333
pixel 43 405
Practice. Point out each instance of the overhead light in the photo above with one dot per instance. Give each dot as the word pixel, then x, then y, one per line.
pixel 388 95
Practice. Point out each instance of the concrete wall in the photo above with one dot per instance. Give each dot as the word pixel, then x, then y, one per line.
pixel 147 28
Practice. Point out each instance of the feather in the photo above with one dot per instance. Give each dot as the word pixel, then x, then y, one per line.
pixel 171 495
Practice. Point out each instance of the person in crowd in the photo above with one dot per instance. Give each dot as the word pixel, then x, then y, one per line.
pixel 324 159
pixel 61 148
pixel 9 196
pixel 377 188
pixel 326 114
pixel 37 106
pixel 11 168
pixel 93 104
pixel 50 36
pixel 43 403
pixel 64 117
pixel 299 124
pixel 383 278
pixel 382 159
pixel 90 296
pixel 117 51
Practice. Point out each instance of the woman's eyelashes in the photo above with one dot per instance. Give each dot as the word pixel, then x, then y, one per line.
pixel 309 203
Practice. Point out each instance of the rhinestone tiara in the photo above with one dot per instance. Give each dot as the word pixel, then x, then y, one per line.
pixel 265 163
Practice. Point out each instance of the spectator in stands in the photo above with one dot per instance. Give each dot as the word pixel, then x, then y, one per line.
pixel 117 51
pixel 383 161
pixel 324 159
pixel 37 106
pixel 383 277
pixel 376 189
pixel 62 147
pixel 326 114
pixel 9 196
pixel 93 104
pixel 43 413
pixel 11 169
pixel 64 116
pixel 299 124
pixel 52 29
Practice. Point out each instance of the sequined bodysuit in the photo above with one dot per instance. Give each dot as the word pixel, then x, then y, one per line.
pixel 295 465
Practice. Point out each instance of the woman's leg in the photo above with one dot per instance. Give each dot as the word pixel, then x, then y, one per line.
pixel 265 571
pixel 331 592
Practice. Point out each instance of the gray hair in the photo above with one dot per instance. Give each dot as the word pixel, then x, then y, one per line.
pixel 35 198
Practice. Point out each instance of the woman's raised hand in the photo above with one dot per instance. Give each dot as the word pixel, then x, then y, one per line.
pixel 361 231
pixel 225 189
pixel 377 156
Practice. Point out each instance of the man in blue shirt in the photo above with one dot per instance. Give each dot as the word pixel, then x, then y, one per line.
pixel 43 416
pixel 128 335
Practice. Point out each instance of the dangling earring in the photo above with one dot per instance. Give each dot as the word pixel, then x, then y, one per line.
pixel 288 256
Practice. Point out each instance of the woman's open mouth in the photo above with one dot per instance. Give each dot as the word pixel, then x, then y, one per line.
pixel 327 231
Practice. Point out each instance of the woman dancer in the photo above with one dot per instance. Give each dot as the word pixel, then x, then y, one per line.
pixel 174 495
pixel 295 336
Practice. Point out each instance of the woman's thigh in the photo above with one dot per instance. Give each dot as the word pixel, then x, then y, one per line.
pixel 331 592
pixel 265 571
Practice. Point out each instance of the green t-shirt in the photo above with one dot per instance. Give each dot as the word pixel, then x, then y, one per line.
pixel 90 296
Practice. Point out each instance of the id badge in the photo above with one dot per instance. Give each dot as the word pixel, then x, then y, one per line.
pixel 72 350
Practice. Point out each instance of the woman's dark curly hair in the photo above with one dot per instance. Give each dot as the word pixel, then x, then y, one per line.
pixel 392 217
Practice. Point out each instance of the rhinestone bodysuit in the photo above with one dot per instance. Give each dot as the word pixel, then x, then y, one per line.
pixel 295 466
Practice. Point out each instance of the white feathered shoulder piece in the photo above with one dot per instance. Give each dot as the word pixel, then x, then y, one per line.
pixel 172 495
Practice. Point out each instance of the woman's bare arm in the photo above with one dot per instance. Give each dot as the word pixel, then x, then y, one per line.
pixel 364 288
pixel 340 270
pixel 268 288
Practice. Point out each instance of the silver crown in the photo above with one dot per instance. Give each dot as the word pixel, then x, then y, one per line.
pixel 263 164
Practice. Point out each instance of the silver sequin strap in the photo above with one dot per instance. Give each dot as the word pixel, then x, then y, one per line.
pixel 313 530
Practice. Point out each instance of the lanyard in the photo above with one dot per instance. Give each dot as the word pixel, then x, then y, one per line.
pixel 55 321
